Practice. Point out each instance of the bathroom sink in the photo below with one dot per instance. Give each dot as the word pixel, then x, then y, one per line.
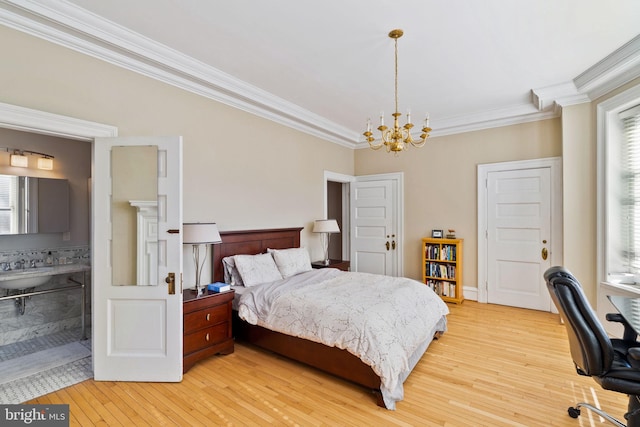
pixel 27 278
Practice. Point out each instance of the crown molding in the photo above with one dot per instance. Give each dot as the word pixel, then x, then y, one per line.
pixel 65 24
pixel 70 26
pixel 618 68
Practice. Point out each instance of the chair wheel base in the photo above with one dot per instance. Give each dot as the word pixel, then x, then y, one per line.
pixel 574 412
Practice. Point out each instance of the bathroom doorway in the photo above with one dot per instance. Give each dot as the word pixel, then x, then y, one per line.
pixel 49 345
pixel 336 202
pixel 334 211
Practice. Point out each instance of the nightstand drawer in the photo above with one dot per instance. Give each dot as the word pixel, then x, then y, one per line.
pixel 203 318
pixel 206 326
pixel 205 337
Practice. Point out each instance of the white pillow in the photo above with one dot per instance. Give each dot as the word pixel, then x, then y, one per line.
pixel 257 269
pixel 231 273
pixel 291 261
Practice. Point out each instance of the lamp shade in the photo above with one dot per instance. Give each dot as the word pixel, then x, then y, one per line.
pixel 45 163
pixel 325 226
pixel 201 233
pixel 19 160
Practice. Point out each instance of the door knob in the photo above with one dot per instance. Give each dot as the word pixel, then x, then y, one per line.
pixel 393 244
pixel 171 281
pixel 545 253
pixel 387 245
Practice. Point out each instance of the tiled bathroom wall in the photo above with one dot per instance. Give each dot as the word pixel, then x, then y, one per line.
pixel 47 313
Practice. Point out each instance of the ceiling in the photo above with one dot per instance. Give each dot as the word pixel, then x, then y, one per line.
pixel 325 67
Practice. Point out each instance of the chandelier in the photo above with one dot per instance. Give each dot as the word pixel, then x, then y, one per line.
pixel 397 138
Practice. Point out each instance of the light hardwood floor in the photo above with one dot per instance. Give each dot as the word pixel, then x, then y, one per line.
pixel 495 366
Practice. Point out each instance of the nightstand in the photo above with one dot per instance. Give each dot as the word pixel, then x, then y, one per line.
pixel 206 326
pixel 340 264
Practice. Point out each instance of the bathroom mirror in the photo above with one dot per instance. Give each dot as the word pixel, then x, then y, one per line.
pixel 134 215
pixel 33 205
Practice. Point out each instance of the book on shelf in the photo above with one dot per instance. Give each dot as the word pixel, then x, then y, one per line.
pixel 442 288
pixel 219 287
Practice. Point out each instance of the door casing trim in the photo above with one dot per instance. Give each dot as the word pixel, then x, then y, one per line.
pixel 36 121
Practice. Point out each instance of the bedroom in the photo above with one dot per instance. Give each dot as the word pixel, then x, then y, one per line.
pixel 48 77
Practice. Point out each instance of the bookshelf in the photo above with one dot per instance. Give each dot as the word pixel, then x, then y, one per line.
pixel 442 267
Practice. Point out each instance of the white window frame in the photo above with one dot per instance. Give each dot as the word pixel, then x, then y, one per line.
pixel 609 139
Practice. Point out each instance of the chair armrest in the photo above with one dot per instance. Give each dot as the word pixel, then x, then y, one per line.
pixel 629 333
pixel 633 356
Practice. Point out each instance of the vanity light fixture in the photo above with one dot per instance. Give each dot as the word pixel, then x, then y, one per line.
pixel 19 158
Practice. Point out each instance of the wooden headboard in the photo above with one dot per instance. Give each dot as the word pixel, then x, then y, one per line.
pixel 251 242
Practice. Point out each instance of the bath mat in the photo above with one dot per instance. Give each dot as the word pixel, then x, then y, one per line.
pixel 21 367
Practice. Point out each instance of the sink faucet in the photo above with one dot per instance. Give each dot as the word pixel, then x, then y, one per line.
pixel 19 264
pixel 32 263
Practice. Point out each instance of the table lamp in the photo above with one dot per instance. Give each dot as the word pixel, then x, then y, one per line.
pixel 196 234
pixel 326 227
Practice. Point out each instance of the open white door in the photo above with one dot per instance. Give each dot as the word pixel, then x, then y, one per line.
pixel 137 326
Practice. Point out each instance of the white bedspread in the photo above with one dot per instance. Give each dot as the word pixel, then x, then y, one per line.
pixel 383 320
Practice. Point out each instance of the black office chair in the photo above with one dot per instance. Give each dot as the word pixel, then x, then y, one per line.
pixel 612 363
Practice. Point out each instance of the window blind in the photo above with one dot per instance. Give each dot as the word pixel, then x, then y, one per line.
pixel 630 189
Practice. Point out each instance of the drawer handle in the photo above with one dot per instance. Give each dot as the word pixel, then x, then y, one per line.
pixel 208 316
pixel 207 337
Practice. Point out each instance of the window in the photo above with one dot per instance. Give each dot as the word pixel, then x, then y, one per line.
pixel 630 190
pixel 8 199
pixel 619 188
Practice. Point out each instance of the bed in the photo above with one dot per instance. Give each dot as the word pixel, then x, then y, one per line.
pixel 331 359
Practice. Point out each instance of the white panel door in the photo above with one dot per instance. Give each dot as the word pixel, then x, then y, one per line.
pixel 137 329
pixel 374 239
pixel 518 237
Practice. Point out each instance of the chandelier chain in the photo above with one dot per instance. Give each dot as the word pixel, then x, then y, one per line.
pixel 396 72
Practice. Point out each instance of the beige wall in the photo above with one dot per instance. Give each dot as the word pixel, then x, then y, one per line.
pixel 579 195
pixel 440 181
pixel 240 171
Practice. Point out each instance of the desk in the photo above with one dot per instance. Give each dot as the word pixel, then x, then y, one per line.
pixel 629 308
